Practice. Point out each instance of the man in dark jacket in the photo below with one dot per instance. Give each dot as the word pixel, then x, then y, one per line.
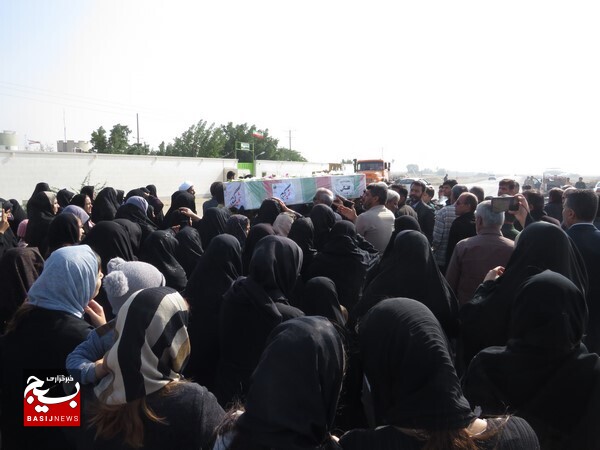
pixel 464 225
pixel 579 212
pixel 425 214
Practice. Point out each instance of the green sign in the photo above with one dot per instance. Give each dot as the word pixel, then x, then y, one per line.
pixel 242 146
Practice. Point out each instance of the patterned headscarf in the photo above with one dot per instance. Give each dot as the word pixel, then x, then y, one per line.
pixel 151 349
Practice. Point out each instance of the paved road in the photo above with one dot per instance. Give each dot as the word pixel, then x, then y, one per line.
pixel 490 187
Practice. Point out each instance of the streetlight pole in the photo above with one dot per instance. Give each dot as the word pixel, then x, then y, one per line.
pixel 253 158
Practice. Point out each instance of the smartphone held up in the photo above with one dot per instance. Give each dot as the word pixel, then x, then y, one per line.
pixel 502 204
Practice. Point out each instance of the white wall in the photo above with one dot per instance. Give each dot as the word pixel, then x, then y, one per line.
pixel 21 171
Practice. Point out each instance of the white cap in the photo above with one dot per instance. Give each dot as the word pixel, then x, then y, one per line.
pixel 185 186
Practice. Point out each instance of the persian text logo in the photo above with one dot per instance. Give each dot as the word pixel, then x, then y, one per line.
pixel 43 408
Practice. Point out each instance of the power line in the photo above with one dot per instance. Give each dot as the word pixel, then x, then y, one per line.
pixel 63 104
pixel 80 103
pixel 29 90
pixel 118 115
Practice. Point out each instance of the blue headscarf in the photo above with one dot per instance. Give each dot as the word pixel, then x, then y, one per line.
pixel 68 280
pixel 78 212
pixel 139 202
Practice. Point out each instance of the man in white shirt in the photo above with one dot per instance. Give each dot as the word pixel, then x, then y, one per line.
pixel 377 222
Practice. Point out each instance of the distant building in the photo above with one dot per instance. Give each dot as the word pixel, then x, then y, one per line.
pixel 9 140
pixel 74 146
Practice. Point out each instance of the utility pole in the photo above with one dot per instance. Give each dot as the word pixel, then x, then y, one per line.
pixel 65 131
pixel 137 120
pixel 290 139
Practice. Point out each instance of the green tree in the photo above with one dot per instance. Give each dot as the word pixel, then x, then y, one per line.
pixel 200 140
pixel 285 154
pixel 236 133
pixel 138 149
pixel 118 142
pixel 99 141
pixel 266 147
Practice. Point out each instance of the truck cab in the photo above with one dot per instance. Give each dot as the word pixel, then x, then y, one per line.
pixel 553 178
pixel 375 170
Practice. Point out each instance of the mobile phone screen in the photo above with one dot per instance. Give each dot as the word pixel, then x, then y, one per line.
pixel 501 204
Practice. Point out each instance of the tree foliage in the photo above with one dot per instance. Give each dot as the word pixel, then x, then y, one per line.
pixel 266 147
pixel 118 142
pixel 285 154
pixel 99 140
pixel 200 140
pixel 138 149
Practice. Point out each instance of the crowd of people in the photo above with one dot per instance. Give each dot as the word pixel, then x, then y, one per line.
pixel 404 319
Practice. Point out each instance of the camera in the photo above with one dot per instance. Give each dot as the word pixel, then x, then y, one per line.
pixel 501 204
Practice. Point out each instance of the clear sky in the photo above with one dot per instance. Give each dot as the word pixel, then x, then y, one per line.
pixel 511 86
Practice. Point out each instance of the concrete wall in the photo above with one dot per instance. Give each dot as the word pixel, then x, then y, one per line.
pixel 21 171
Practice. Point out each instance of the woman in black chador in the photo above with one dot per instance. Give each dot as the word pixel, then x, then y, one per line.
pixel 342 260
pixel 323 219
pixel 214 274
pixel 256 233
pixel 303 234
pixel 41 210
pixel 415 395
pixel 410 271
pixel 212 224
pixel 135 209
pixel 105 205
pixel 544 373
pixel 251 308
pixel 294 391
pixel 160 250
pixel 484 319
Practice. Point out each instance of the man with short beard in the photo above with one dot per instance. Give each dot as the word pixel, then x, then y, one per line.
pixel 425 215
pixel 377 222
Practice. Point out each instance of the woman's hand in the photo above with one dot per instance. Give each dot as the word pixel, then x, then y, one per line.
pixel 189 213
pixel 96 313
pixel 100 369
pixel 494 273
pixel 282 205
pixel 4 225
